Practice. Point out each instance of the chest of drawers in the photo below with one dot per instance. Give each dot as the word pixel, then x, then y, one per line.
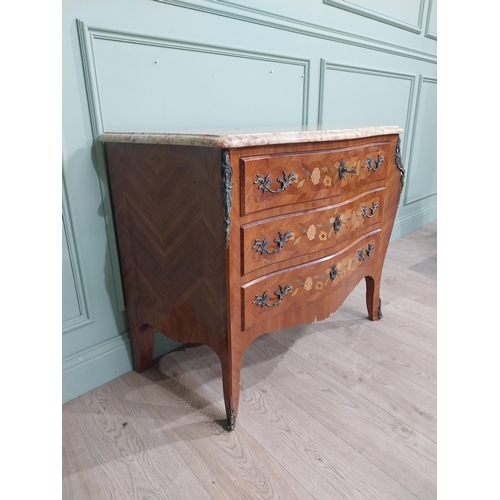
pixel 225 237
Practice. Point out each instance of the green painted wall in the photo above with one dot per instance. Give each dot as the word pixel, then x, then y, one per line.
pixel 164 65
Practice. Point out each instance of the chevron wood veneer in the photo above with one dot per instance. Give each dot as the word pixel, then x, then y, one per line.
pixel 220 244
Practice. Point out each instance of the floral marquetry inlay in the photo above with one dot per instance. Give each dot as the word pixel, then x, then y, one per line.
pixel 308 283
pixel 331 275
pixel 328 175
pixel 311 232
pixel 315 282
pixel 330 226
pixel 315 176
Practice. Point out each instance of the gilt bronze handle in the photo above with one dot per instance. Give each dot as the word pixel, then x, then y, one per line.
pixel 378 163
pixel 261 245
pixel 373 209
pixel 368 252
pixel 261 300
pixel 265 182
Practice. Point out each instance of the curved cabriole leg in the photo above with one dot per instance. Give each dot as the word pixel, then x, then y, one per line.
pixel 373 302
pixel 231 363
pixel 142 339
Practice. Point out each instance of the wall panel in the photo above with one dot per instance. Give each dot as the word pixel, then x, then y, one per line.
pixel 205 86
pixel 75 312
pixel 422 172
pixel 406 15
pixel 353 96
pixel 431 25
pixel 70 306
pixel 318 20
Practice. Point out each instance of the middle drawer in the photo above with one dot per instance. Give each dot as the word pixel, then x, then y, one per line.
pixel 276 239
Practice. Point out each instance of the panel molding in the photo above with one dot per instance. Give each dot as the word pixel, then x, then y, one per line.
pixel 428 33
pixel 80 288
pixel 87 34
pixel 413 221
pixel 101 363
pixel 85 355
pixel 326 66
pixel 301 27
pixel 97 128
pixel 95 366
pixel 421 80
pixel 378 16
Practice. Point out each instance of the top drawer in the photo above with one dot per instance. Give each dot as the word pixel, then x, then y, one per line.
pixel 285 178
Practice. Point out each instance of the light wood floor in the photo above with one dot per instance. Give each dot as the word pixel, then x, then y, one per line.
pixel 342 409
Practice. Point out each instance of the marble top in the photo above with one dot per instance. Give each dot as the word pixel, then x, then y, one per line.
pixel 237 138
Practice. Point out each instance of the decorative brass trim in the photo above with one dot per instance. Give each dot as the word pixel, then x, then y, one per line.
pixel 399 162
pixel 231 419
pixel 227 193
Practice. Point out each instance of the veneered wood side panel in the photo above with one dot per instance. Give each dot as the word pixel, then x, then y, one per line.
pixel 169 220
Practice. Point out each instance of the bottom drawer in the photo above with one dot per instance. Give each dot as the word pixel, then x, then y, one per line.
pixel 284 290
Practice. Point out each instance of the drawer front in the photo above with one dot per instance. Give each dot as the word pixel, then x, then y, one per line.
pixel 284 290
pixel 281 238
pixel 282 179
